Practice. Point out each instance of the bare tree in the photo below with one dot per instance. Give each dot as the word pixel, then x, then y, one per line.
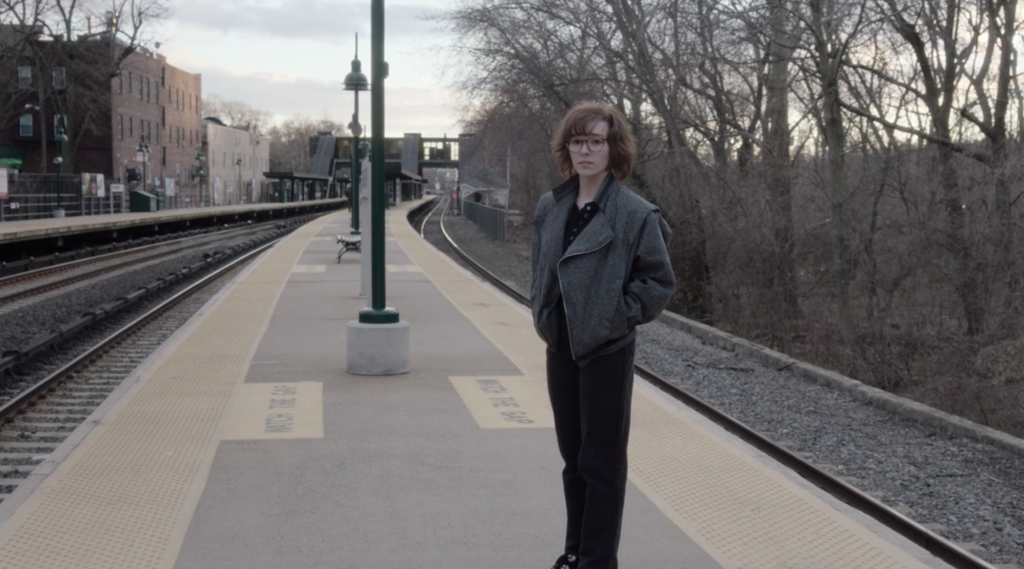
pixel 832 27
pixel 75 48
pixel 289 142
pixel 235 113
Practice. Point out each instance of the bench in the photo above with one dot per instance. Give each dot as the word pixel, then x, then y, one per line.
pixel 348 243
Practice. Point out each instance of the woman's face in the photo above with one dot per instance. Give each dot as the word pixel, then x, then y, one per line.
pixel 585 160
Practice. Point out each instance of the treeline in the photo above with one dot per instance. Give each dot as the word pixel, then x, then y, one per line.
pixel 843 176
pixel 290 139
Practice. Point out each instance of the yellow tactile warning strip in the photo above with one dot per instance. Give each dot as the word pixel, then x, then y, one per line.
pixel 505 402
pixel 743 514
pixel 507 326
pixel 125 496
pixel 262 411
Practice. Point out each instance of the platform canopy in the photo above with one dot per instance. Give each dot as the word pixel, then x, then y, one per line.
pixel 303 176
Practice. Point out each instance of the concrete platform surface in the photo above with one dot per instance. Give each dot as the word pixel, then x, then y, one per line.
pixel 245 444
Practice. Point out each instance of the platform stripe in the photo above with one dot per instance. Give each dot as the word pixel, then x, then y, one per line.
pixel 143 467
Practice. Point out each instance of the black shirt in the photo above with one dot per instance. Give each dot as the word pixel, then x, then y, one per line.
pixel 574 225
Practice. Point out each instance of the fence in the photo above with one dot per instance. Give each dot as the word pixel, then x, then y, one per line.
pixel 33 196
pixel 489 219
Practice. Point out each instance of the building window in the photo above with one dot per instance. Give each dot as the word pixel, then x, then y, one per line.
pixel 163 160
pixel 131 79
pixel 60 121
pixel 131 127
pixel 141 93
pixel 60 78
pixel 25 125
pixel 24 77
pixel 157 131
pixel 120 127
pixel 120 84
pixel 147 89
pixel 163 116
pixel 163 75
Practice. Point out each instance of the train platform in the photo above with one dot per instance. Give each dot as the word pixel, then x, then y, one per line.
pixel 244 443
pixel 45 228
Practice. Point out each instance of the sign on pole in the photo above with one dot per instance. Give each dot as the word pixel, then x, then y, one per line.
pixel 3 183
pixel 93 185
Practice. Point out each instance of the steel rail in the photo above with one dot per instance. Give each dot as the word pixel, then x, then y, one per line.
pixel 423 223
pixel 24 399
pixel 169 248
pixel 935 544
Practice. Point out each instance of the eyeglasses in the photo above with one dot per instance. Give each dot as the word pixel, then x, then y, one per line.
pixel 594 144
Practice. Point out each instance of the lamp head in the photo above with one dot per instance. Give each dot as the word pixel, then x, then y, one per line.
pixel 356 79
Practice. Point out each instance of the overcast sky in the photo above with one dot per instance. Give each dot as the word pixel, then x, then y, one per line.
pixel 290 57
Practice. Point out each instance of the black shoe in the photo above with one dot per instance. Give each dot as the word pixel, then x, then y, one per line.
pixel 567 562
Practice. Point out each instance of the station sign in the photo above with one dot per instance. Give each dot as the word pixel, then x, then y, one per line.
pixel 117 188
pixel 93 185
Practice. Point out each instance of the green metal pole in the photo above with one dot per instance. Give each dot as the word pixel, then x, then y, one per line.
pixel 377 313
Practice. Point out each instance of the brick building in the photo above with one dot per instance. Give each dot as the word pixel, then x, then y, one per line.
pixel 156 106
pixel 106 114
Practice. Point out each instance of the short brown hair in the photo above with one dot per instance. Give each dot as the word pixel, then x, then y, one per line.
pixel 621 144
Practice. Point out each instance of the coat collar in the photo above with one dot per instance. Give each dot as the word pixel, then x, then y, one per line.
pixel 569 188
pixel 598 232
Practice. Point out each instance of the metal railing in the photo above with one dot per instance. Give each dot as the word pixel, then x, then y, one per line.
pixel 34 196
pixel 490 220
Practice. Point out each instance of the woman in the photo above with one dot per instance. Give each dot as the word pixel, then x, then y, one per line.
pixel 600 268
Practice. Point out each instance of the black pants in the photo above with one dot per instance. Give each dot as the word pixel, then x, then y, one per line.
pixel 591 406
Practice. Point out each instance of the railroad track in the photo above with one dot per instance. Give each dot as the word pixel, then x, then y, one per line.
pixel 36 282
pixel 927 540
pixel 36 421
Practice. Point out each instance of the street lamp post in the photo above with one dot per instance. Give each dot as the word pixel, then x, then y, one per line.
pixel 239 164
pixel 143 152
pixel 378 344
pixel 201 159
pixel 377 313
pixel 61 138
pixel 356 81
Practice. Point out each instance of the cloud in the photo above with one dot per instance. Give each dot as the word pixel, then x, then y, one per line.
pixel 326 20
pixel 428 111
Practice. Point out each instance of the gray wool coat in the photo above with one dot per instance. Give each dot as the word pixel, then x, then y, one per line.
pixel 614 276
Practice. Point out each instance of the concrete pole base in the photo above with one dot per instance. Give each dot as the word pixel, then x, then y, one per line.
pixel 378 349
